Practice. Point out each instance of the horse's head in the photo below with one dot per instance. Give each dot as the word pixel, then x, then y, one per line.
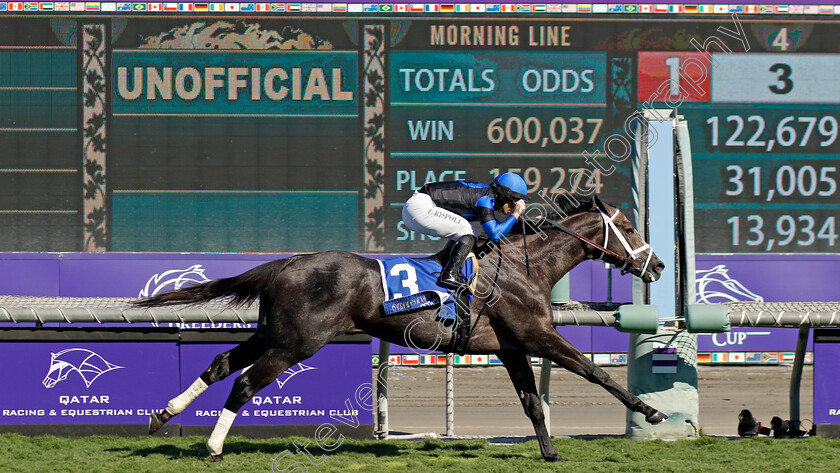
pixel 603 227
pixel 631 253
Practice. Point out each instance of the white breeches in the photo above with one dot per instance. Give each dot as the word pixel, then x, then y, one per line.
pixel 420 214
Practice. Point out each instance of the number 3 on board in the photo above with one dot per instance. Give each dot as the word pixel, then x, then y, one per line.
pixel 784 84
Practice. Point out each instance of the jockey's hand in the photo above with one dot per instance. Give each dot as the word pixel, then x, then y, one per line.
pixel 519 207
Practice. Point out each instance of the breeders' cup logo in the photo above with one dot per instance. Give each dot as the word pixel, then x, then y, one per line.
pixel 88 364
pixel 173 280
pixel 292 372
pixel 715 286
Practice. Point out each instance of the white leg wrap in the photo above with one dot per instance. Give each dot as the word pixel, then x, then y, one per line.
pixel 177 405
pixel 217 438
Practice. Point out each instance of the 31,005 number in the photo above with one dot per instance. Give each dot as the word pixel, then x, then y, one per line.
pixel 805 181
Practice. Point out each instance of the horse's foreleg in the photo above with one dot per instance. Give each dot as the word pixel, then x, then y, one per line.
pixel 222 366
pixel 264 371
pixel 567 356
pixel 518 366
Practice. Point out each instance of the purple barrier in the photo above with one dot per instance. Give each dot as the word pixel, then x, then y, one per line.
pixel 826 382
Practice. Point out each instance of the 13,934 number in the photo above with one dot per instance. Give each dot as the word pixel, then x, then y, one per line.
pixel 800 230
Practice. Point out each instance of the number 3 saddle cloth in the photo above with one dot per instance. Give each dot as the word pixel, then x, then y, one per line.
pixel 411 284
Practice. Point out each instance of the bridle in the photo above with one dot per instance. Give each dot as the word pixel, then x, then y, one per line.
pixel 609 227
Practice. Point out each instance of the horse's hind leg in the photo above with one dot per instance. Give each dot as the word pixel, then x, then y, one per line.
pixel 518 365
pixel 567 356
pixel 222 366
pixel 264 371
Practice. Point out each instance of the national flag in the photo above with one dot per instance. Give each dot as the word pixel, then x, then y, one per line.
pixel 30 6
pixel 4 6
pixel 753 357
pixel 201 7
pixel 675 8
pixel 401 7
pixel 751 9
pixel 523 7
pixel 462 359
pixel 386 7
pixel 65 6
pixel 705 8
pixel 554 8
pixel 645 8
pixel 324 7
pixel 355 7
pixel 770 357
pixel 448 7
pixel 339 7
pixel 704 358
pixel 631 8
pixel 588 356
pixel 837 9
pixel 441 359
pixel 787 356
pixel 812 9
pixel 310 7
pixel 477 8
pixel 416 7
pixel 155 7
pixel 462 7
pixel 262 7
pixel 690 8
pixel 185 7
pixel 293 7
pixel 536 361
pixel 569 8
pixel 493 8
pixel 480 360
pixel 217 7
pixel 46 6
pixel 138 7
pixel 766 9
pixel 394 359
pixel 76 6
pixel 374 360
pixel 247 7
pixel 782 8
pixel 109 6
pixel 371 7
pixel 170 7
pixel 584 8
pixel 719 357
pixel 232 7
pixel 736 8
pixel 720 9
pixel 826 9
pixel 431 7
pixel 616 8
pixel 599 7
pixel 809 357
pixel 660 8
pixel 508 8
pixel 618 359
pixel 427 360
pixel 494 360
pixel 737 357
pixel 411 359
pixel 124 6
pixel 797 9
pixel 92 6
pixel 601 358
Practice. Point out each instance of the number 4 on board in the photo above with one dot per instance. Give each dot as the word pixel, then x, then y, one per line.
pixel 781 40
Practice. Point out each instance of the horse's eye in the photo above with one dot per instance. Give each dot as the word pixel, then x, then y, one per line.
pixel 628 231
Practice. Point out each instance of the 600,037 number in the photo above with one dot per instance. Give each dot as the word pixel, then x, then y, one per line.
pixel 531 130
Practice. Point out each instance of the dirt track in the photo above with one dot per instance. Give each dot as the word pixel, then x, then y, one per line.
pixel 486 404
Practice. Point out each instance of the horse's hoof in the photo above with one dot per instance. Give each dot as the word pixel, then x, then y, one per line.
pixel 554 458
pixel 656 418
pixel 155 423
pixel 216 458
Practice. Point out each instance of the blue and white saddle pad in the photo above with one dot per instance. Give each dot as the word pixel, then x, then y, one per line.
pixel 411 284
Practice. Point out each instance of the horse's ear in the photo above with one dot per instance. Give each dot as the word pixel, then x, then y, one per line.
pixel 597 204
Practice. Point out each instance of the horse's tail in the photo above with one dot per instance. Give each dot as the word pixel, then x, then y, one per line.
pixel 241 289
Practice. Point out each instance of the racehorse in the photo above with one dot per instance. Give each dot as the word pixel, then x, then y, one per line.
pixel 308 299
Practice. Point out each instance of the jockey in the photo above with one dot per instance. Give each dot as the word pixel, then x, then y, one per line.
pixel 443 209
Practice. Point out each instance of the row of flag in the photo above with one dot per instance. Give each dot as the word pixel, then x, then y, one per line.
pixel 417 8
pixel 662 361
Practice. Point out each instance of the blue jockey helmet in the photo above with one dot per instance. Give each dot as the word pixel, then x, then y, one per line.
pixel 511 186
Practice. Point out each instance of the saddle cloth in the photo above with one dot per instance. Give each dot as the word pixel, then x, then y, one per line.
pixel 411 284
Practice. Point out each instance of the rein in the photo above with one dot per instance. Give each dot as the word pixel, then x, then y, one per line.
pixel 582 238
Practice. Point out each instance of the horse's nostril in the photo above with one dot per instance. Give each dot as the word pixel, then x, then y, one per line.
pixel 660 267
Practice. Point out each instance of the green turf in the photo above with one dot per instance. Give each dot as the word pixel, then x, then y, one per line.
pixel 154 454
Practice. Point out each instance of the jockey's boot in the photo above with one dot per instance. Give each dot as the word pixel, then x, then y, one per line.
pixel 450 276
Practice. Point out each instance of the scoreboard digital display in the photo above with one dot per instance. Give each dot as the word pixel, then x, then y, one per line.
pixel 308 133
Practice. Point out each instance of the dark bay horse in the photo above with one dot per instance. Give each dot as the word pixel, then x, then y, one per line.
pixel 308 299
